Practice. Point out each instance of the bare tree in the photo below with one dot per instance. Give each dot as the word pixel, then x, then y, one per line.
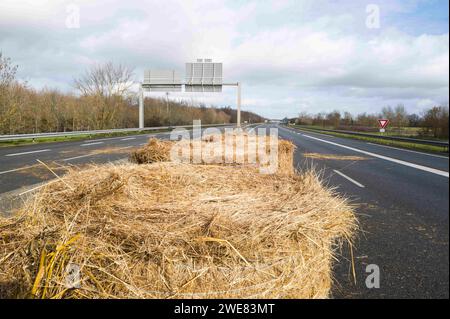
pixel 7 71
pixel 106 86
pixel 334 118
pixel 400 116
pixel 304 118
pixel 436 121
pixel 388 113
pixel 348 119
pixel 105 80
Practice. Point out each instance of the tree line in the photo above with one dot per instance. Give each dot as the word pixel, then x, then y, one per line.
pixel 431 122
pixel 103 99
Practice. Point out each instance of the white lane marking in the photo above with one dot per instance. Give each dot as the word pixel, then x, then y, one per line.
pixel 416 166
pixel 15 170
pixel 87 155
pixel 128 138
pixel 402 149
pixel 120 137
pixel 142 144
pixel 349 179
pixel 295 131
pixel 102 139
pixel 88 144
pixel 31 152
pixel 76 157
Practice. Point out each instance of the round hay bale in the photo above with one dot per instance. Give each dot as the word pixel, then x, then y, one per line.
pixel 168 230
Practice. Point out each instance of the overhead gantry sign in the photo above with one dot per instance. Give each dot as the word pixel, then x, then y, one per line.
pixel 201 76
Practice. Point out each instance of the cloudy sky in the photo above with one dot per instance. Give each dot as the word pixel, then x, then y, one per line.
pixel 290 55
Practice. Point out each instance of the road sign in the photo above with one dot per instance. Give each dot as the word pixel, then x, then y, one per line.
pixel 162 81
pixel 383 123
pixel 203 76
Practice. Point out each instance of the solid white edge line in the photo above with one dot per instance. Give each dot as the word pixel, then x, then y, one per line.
pixel 394 160
pixel 410 151
pixel 349 179
pixel 31 152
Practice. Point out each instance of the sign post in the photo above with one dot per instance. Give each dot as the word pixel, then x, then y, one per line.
pixel 141 106
pixel 238 118
pixel 383 123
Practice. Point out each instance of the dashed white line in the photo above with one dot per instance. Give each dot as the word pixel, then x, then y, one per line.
pixel 88 144
pixel 349 179
pixel 128 138
pixel 15 170
pixel 76 157
pixel 102 139
pixel 120 137
pixel 394 160
pixel 410 151
pixel 31 152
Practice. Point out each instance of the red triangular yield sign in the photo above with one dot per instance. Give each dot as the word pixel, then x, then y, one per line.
pixel 383 123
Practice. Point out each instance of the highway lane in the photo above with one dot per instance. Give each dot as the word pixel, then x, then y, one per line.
pixel 440 162
pixel 403 213
pixel 403 210
pixel 14 157
pixel 19 166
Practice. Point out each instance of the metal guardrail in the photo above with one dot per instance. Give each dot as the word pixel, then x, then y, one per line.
pixel 72 133
pixel 392 138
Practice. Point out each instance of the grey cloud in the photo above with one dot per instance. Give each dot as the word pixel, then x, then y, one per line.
pixel 317 53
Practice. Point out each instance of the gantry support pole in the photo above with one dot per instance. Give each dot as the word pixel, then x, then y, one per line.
pixel 141 106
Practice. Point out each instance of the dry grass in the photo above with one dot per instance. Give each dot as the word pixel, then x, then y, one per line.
pixel 173 230
pixel 154 151
pixel 320 156
pixel 215 145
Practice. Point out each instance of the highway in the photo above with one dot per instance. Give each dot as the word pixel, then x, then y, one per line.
pixel 403 209
pixel 401 198
pixel 19 166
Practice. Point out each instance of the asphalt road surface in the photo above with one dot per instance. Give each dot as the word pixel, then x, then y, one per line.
pixel 401 199
pixel 403 209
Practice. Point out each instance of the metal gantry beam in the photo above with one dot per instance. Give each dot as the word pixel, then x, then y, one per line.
pixel 201 76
